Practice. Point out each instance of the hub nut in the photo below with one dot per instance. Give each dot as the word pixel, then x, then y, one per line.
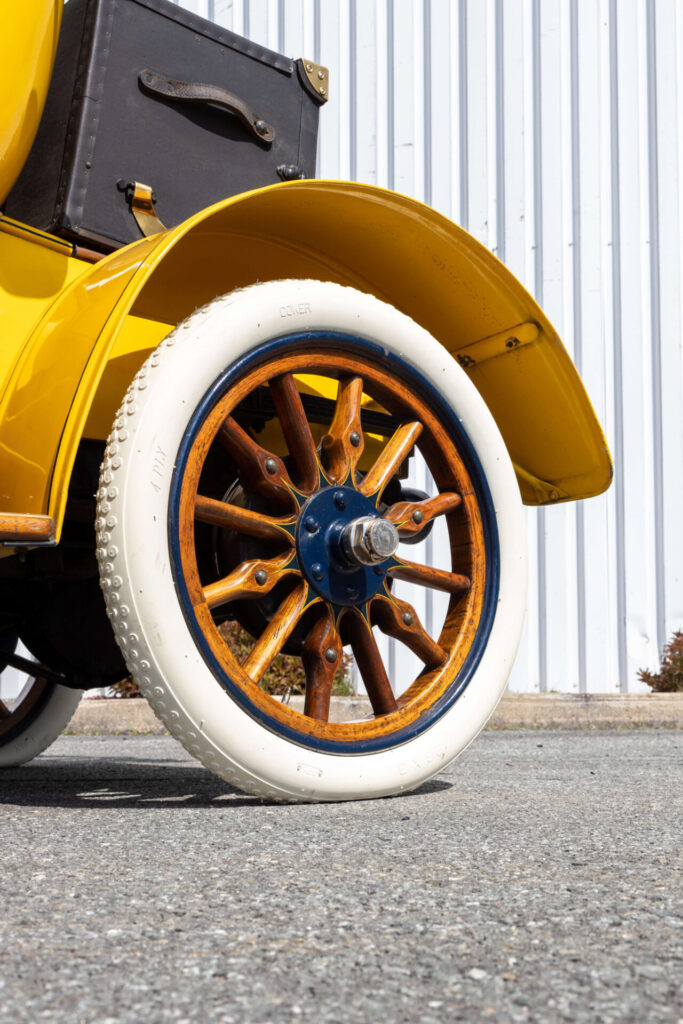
pixel 368 540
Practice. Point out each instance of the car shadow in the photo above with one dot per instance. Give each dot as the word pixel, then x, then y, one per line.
pixel 133 782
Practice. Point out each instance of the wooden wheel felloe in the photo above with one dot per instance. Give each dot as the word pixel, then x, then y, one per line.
pixel 254 472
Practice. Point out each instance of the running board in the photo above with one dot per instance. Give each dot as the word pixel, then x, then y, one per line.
pixel 17 529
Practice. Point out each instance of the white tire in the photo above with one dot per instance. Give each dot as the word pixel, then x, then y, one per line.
pixel 41 712
pixel 146 475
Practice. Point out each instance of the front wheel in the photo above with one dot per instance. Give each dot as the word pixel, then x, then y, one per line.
pixel 34 709
pixel 251 509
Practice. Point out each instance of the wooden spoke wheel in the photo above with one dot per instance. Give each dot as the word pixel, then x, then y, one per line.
pixel 254 475
pixel 34 709
pixel 336 585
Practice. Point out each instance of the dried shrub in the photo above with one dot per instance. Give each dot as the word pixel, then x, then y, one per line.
pixel 284 678
pixel 669 679
pixel 125 688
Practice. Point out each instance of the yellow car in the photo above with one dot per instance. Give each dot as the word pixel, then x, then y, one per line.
pixel 206 442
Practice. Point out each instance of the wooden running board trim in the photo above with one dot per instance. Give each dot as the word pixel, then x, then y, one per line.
pixel 21 528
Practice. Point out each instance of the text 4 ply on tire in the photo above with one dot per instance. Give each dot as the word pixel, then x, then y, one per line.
pixel 252 477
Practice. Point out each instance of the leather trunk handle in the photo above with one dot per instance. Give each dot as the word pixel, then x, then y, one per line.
pixel 200 92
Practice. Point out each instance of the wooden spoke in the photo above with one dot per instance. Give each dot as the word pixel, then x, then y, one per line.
pixel 409 517
pixel 426 576
pixel 298 436
pixel 395 451
pixel 4 711
pixel 343 445
pixel 275 635
pixel 321 644
pixel 250 579
pixel 399 619
pixel 370 665
pixel 232 517
pixel 259 469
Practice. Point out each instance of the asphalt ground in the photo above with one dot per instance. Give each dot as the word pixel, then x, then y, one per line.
pixel 537 879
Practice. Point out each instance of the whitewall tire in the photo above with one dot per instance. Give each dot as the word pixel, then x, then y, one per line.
pixel 241 354
pixel 35 719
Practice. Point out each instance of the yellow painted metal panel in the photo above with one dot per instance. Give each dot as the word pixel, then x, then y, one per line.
pixel 32 276
pixel 416 259
pixel 134 342
pixel 51 366
pixel 30 234
pixel 378 241
pixel 30 30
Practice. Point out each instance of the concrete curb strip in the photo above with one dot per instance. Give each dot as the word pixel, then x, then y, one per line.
pixel 516 711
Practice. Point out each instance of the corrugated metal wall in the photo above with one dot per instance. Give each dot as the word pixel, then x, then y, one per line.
pixel 553 131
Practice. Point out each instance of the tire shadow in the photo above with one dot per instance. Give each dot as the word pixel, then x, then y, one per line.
pixel 71 782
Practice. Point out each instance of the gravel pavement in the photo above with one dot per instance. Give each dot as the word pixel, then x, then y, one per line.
pixel 537 879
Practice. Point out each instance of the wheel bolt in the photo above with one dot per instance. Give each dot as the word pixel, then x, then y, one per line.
pixel 340 500
pixel 317 571
pixel 271 466
pixel 330 655
pixel 260 576
pixel 354 438
pixel 311 524
pixel 408 618
pixel 351 593
pixel 417 516
pixel 380 570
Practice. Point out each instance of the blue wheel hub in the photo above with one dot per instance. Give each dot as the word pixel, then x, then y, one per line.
pixel 322 556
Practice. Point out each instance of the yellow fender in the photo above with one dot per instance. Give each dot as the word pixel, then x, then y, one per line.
pixel 82 355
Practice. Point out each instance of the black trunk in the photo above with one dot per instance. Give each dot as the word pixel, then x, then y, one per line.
pixel 126 104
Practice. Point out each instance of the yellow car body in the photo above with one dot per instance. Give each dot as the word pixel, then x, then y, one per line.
pixel 106 571
pixel 75 332
pixel 30 33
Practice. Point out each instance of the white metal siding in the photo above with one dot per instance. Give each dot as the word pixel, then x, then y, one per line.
pixel 553 131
